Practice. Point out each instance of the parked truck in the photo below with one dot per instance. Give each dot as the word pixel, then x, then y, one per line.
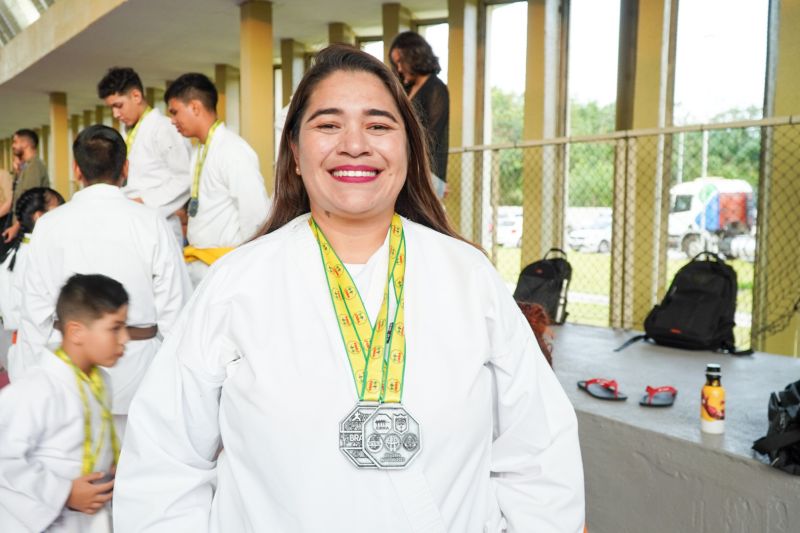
pixel 711 214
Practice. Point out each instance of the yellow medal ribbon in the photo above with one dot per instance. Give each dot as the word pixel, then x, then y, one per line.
pixel 201 159
pixel 131 135
pixel 376 360
pixel 95 383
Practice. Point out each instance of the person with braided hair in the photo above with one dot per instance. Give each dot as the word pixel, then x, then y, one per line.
pixel 30 206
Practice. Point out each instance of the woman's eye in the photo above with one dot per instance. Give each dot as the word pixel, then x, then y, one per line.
pixel 379 127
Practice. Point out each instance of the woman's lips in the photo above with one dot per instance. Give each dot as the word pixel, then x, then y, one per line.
pixel 355 173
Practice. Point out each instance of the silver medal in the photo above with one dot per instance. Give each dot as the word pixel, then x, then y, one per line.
pixel 194 205
pixel 351 434
pixel 391 437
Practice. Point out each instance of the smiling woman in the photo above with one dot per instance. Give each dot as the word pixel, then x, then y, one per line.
pixel 358 285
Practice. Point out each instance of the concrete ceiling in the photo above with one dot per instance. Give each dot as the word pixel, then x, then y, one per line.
pixel 162 39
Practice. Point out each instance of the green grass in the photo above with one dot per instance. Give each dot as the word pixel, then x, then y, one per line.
pixel 591 274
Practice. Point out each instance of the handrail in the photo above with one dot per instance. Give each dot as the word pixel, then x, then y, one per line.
pixel 627 134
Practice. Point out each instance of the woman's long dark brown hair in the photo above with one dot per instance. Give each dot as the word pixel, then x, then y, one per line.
pixel 416 200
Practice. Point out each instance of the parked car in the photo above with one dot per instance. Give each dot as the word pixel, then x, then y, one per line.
pixel 509 230
pixel 596 237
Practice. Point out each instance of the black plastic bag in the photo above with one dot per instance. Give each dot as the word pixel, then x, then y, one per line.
pixel 782 441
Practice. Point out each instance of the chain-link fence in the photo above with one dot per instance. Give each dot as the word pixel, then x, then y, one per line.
pixel 631 208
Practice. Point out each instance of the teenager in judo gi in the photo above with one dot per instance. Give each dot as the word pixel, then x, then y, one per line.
pixel 30 207
pixel 158 156
pixel 58 446
pixel 363 368
pixel 101 231
pixel 228 203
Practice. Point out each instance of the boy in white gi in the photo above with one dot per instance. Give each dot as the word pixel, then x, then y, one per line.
pixel 158 157
pixel 102 231
pixel 228 203
pixel 58 447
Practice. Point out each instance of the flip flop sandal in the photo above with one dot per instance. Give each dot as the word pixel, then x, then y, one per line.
pixel 659 396
pixel 602 389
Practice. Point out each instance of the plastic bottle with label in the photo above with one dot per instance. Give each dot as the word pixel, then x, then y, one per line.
pixel 712 402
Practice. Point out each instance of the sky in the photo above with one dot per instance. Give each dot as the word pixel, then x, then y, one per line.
pixel 720 64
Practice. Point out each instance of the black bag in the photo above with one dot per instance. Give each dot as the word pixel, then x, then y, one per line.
pixel 782 441
pixel 697 313
pixel 546 282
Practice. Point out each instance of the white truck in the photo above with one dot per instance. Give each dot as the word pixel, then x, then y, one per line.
pixel 715 214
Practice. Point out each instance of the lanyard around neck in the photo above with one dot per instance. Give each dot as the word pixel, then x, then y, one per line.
pixel 131 136
pixel 377 359
pixel 95 383
pixel 201 159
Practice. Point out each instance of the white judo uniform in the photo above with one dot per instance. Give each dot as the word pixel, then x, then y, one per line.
pixel 41 451
pixel 158 168
pixel 11 299
pixel 233 202
pixel 256 363
pixel 100 231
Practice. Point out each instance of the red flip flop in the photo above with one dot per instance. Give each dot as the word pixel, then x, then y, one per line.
pixel 602 389
pixel 659 396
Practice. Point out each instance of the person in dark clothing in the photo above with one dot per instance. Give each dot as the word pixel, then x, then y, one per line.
pixel 414 62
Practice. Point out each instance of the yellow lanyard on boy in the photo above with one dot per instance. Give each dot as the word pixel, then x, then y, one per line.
pixel 95 383
pixel 377 372
pixel 131 136
pixel 194 201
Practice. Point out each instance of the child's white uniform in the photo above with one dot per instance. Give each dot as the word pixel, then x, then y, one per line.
pixel 41 451
pixel 11 298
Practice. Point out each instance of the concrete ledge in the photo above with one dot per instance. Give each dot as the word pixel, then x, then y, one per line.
pixel 650 469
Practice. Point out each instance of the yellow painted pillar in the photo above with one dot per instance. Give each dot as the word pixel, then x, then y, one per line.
pixel 339 32
pixel 221 82
pixel 642 188
pixel 777 277
pixel 155 97
pixel 75 127
pixel 99 114
pixel 44 144
pixel 293 55
pixel 396 19
pixel 88 118
pixel 4 160
pixel 59 125
pixel 257 106
pixel 462 84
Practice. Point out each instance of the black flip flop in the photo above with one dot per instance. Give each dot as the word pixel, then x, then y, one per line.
pixel 603 389
pixel 659 396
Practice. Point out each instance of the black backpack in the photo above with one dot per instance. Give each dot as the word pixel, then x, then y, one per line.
pixel 545 282
pixel 697 313
pixel 782 441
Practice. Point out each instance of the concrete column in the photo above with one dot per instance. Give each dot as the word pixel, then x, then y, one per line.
pixel 99 114
pixel 339 32
pixel 396 19
pixel 44 143
pixel 293 55
pixel 155 97
pixel 542 183
pixel 221 82
pixel 462 85
pixel 257 119
pixel 641 192
pixel 59 124
pixel 88 118
pixel 776 286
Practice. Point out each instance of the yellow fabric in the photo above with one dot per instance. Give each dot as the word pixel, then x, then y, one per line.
pixel 206 255
pixel 377 371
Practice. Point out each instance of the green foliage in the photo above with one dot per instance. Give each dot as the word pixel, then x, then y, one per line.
pixel 591 165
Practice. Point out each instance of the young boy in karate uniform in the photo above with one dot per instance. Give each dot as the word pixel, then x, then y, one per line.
pixel 58 447
pixel 228 203
pixel 102 231
pixel 158 156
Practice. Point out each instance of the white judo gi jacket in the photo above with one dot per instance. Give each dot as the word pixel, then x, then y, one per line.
pixel 158 168
pixel 100 231
pixel 41 451
pixel 233 200
pixel 256 364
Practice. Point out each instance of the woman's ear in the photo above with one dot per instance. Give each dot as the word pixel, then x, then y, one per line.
pixel 295 156
pixel 37 215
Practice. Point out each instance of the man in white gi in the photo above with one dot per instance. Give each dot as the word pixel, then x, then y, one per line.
pixel 101 231
pixel 158 157
pixel 228 203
